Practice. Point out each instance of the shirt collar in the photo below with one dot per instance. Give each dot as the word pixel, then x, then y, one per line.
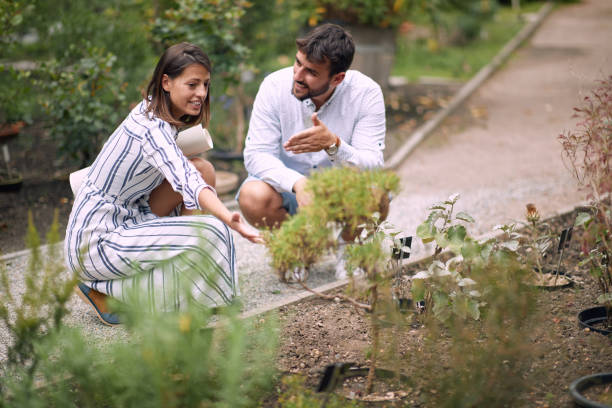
pixel 338 89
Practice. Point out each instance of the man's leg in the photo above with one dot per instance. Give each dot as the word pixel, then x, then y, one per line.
pixel 261 205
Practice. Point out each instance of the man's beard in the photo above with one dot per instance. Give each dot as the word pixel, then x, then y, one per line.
pixel 312 93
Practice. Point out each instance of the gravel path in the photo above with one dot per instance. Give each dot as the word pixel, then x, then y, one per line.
pixel 499 151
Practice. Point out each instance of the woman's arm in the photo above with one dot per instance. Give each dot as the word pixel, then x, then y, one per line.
pixel 209 201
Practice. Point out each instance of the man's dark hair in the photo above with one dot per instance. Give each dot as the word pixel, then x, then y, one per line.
pixel 328 42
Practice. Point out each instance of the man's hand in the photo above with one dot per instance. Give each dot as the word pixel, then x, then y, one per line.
pixel 301 195
pixel 313 139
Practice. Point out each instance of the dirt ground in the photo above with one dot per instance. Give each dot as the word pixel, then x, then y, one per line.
pixel 320 332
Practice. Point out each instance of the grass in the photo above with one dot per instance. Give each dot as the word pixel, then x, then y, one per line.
pixel 415 59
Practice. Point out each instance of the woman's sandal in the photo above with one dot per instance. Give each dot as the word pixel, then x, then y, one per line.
pixel 84 292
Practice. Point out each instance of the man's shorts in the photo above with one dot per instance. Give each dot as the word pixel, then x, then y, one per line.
pixel 290 203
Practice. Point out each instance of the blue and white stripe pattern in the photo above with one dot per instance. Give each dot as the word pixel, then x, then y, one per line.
pixel 115 243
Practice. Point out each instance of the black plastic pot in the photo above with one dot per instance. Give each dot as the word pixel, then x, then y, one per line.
pixel 10 184
pixel 578 386
pixel 592 318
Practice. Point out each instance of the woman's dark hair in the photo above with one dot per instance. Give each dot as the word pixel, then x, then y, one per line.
pixel 172 63
pixel 328 42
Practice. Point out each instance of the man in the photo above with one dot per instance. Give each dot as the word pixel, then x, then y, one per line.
pixel 317 114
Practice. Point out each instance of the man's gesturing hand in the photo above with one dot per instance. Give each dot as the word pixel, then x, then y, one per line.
pixel 313 139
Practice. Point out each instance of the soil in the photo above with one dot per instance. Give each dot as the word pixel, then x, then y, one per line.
pixel 45 185
pixel 319 332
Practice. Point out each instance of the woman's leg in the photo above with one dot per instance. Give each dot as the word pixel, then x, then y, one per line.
pixel 158 259
pixel 163 200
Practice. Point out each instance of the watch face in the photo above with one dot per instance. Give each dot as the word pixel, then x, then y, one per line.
pixel 331 150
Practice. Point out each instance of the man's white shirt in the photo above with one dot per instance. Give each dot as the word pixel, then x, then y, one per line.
pixel 355 112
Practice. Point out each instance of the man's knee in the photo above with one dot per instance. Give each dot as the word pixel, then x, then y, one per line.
pixel 261 204
pixel 206 169
pixel 256 196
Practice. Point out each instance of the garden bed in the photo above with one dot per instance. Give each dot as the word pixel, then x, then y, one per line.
pixel 318 332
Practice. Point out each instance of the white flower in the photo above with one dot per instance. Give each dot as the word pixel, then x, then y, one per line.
pixel 466 282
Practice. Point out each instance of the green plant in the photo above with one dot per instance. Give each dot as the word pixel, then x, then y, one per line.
pixel 587 151
pixel 348 200
pixel 16 96
pixel 84 99
pixel 475 296
pixel 39 312
pixel 295 394
pixel 119 27
pixel 189 358
pixel 446 287
pixel 12 15
pixel 212 25
pixel 436 55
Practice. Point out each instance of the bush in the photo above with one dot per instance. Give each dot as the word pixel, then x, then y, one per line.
pixel 482 305
pixel 587 151
pixel 174 359
pixel 214 26
pixel 84 99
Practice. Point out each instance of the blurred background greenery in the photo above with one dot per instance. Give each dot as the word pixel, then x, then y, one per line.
pixel 74 67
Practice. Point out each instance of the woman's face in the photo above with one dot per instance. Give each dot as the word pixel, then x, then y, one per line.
pixel 188 90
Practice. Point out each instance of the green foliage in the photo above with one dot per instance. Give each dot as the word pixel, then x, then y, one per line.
pixel 378 13
pixel 12 15
pixel 120 27
pixel 343 198
pixel 84 100
pixel 444 52
pixel 456 288
pixel 296 395
pixel 480 297
pixel 212 25
pixel 299 243
pixel 16 98
pixel 171 360
pixel 587 149
pixel 351 201
pixel 187 358
pixel 39 311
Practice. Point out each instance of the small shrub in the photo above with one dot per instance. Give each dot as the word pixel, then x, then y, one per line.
pixel 34 316
pixel 587 153
pixel 481 306
pixel 84 99
pixel 187 358
pixel 295 394
pixel 348 200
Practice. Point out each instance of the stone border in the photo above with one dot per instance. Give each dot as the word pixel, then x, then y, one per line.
pixel 418 135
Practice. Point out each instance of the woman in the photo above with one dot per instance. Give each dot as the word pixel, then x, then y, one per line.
pixel 133 224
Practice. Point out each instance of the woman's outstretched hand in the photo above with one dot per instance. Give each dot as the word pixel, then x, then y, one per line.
pixel 241 227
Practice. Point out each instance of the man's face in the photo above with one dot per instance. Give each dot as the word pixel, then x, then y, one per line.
pixel 311 80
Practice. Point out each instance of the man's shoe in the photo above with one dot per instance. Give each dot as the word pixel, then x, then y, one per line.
pixel 88 295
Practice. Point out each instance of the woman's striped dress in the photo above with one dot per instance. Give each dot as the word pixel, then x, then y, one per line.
pixel 113 240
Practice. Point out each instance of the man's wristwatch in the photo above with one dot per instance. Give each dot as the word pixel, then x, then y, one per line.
pixel 333 149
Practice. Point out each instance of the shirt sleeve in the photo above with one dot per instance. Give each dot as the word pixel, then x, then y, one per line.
pixel 368 139
pixel 161 151
pixel 264 139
